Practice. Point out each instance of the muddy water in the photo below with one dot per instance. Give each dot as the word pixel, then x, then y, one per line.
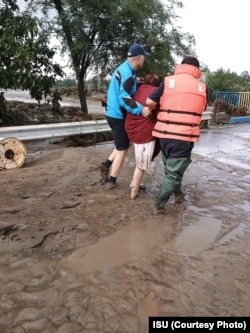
pixel 80 259
pixel 131 242
pixel 123 246
pixel 24 96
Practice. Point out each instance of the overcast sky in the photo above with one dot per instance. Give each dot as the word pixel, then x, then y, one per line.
pixel 221 29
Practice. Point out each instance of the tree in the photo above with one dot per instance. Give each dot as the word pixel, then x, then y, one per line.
pixel 98 33
pixel 245 81
pixel 25 59
pixel 223 80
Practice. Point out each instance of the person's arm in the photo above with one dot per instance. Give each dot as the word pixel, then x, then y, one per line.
pixel 154 98
pixel 126 81
pixel 127 88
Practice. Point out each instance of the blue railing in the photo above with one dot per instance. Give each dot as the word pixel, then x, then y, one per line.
pixel 230 97
pixel 233 97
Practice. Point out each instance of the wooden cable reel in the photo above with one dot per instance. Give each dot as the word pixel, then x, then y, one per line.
pixel 12 153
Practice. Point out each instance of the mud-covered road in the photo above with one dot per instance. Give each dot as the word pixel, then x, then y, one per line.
pixel 77 258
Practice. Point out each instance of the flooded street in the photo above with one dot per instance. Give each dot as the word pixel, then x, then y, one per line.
pixel 23 96
pixel 76 258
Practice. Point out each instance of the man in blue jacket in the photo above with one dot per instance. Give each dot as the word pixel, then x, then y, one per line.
pixel 120 101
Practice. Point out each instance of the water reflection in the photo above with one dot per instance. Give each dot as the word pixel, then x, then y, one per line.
pixel 125 245
pixel 197 236
pixel 136 240
pixel 189 231
pixel 229 145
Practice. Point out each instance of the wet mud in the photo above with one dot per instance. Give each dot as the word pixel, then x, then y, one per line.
pixel 78 258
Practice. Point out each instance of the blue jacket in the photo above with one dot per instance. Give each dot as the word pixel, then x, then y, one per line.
pixel 120 93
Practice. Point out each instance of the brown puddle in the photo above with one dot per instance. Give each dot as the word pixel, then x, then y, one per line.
pixel 127 244
pixel 134 241
pixel 196 237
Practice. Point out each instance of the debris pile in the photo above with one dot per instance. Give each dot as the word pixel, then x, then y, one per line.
pixel 223 111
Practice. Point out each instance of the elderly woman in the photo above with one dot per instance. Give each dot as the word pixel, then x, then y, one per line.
pixel 139 130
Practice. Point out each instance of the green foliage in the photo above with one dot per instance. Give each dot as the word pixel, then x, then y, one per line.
pixel 66 83
pixel 25 59
pixel 224 80
pixel 245 81
pixel 66 91
pixel 56 107
pixel 98 33
pixel 10 116
pixel 3 107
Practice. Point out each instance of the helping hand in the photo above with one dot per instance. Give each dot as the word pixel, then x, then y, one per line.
pixel 146 112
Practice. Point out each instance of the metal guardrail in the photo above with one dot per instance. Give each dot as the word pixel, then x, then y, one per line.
pixel 45 131
pixel 35 132
pixel 207 115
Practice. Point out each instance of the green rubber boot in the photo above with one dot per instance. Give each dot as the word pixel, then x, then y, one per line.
pixel 160 202
pixel 174 171
pixel 178 195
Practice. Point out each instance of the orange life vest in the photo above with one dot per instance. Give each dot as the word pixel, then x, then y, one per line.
pixel 181 105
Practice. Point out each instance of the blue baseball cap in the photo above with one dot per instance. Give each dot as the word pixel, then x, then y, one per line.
pixel 136 50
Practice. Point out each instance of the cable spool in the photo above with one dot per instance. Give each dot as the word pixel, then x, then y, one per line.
pixel 12 153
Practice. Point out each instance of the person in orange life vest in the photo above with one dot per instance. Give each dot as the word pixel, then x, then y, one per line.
pixel 182 99
pixel 139 130
pixel 120 101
